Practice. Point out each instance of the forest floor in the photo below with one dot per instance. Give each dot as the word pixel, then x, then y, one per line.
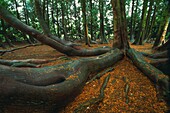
pixel 142 94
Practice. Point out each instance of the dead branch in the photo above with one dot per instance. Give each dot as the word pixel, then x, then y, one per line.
pixel 2 52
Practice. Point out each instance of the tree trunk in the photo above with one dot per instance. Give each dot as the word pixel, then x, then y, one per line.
pixel 5 34
pixel 148 32
pixel 151 72
pixel 161 39
pixel 83 3
pixel 120 28
pixel 63 20
pixel 39 13
pixel 52 17
pixel 91 20
pixel 58 26
pixel 139 39
pixel 102 34
pixel 53 85
pixel 66 49
pixel 148 19
pixel 131 22
pixel 16 8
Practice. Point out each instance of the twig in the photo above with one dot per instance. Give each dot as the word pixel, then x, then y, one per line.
pixel 100 74
pixel 94 100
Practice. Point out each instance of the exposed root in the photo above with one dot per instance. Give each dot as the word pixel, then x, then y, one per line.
pixel 100 74
pixel 94 100
pixel 2 52
pixel 150 71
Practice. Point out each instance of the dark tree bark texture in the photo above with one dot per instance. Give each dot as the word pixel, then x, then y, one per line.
pixel 150 71
pixel 53 85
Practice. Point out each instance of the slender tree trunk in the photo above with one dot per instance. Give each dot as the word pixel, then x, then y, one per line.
pixel 148 32
pixel 83 3
pixel 131 22
pixel 102 34
pixel 91 20
pixel 47 14
pixel 5 34
pixel 135 16
pixel 148 23
pixel 44 26
pixel 63 20
pixel 43 9
pixel 58 26
pixel 52 16
pixel 139 39
pixel 79 24
pixel 75 16
pixel 162 29
pixel 16 8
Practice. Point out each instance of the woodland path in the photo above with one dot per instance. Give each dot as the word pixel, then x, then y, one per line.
pixel 142 94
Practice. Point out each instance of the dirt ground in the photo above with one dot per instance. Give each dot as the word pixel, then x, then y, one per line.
pixel 142 95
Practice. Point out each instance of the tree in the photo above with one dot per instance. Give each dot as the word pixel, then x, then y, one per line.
pixel 162 28
pixel 55 86
pixel 67 48
pixel 87 40
pixel 102 34
pixel 140 36
pixel 131 22
pixel 120 29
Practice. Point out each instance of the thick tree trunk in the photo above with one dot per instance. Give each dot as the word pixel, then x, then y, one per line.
pixel 66 49
pixel 120 28
pixel 53 85
pixel 151 72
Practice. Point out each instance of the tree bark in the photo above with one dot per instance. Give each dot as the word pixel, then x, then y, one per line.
pixel 87 40
pixel 131 22
pixel 148 32
pixel 53 85
pixel 148 23
pixel 120 28
pixel 102 34
pixel 139 39
pixel 151 72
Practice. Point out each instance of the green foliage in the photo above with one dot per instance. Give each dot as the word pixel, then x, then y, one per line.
pixel 73 16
